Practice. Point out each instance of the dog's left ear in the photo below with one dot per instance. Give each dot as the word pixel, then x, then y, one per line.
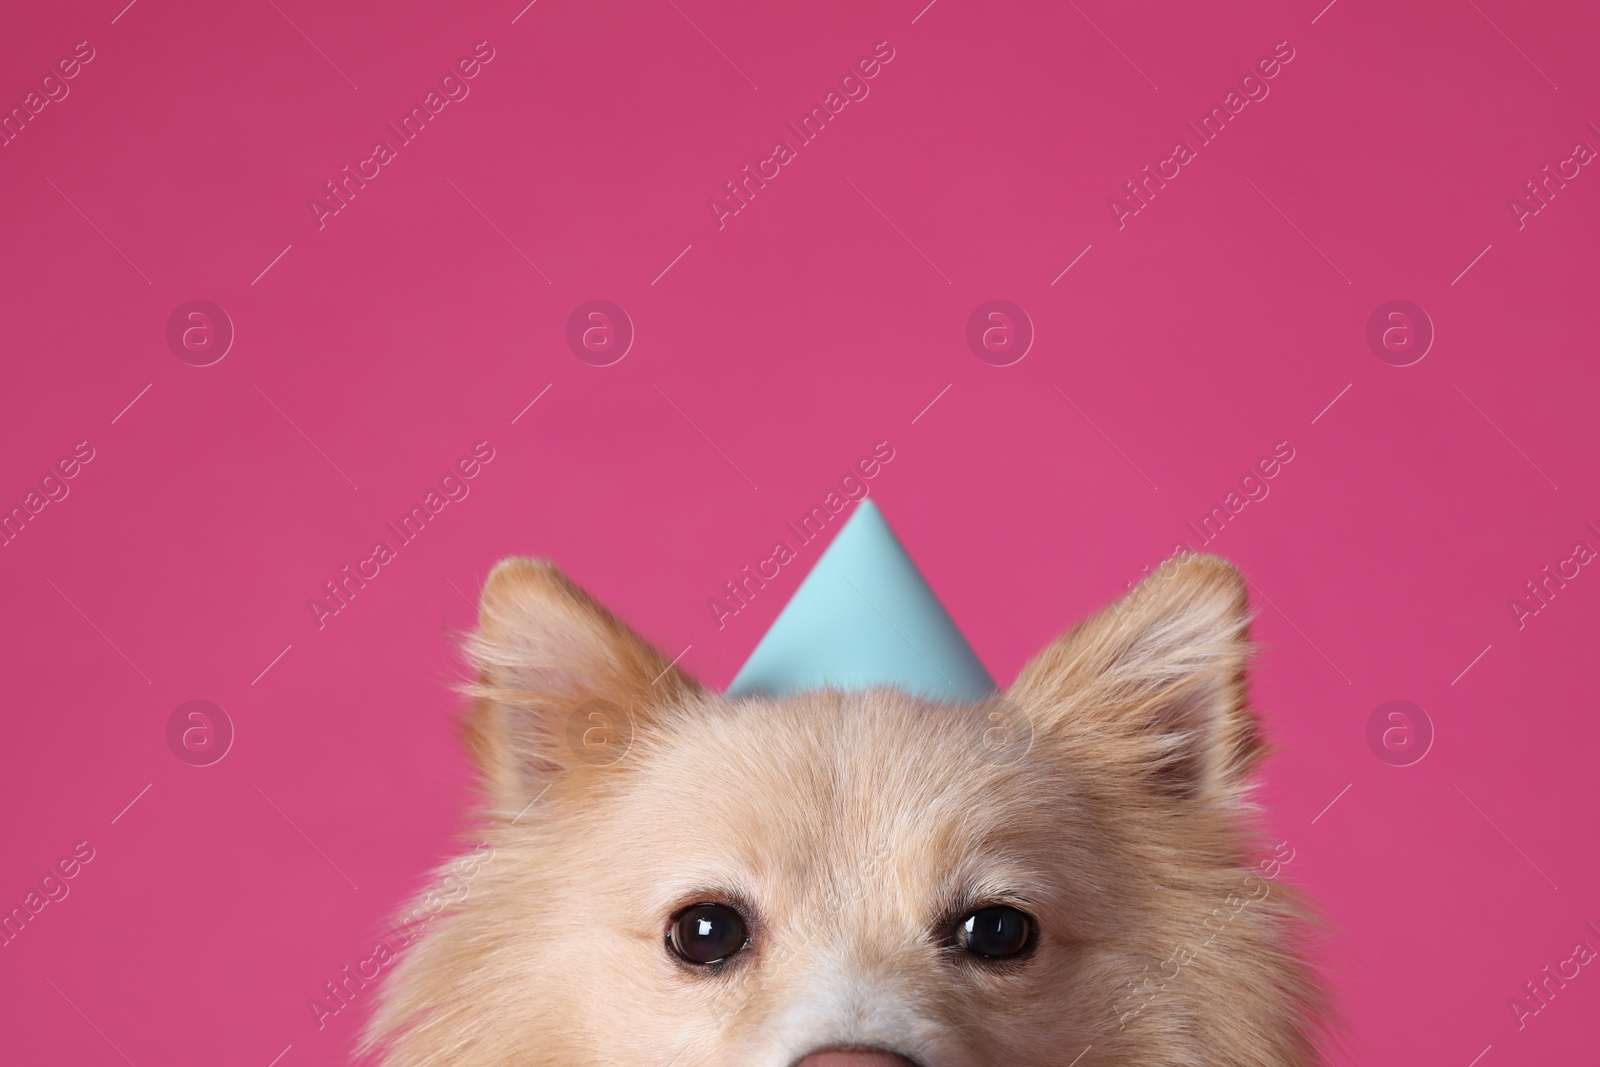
pixel 1156 681
pixel 562 683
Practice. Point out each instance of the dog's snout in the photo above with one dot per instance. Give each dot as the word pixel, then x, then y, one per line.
pixel 854 1058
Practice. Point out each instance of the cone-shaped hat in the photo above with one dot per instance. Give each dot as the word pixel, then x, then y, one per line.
pixel 865 617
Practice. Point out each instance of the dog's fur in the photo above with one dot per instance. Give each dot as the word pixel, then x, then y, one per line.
pixel 853 828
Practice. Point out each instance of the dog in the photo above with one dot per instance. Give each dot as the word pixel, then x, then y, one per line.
pixel 1067 874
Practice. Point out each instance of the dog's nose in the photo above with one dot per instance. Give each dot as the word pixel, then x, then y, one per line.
pixel 854 1058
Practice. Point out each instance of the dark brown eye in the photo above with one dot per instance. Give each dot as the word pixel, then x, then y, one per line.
pixel 708 933
pixel 996 933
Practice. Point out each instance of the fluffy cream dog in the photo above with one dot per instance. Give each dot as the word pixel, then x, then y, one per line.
pixel 1063 875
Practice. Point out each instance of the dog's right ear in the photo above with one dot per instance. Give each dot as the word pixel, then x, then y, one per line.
pixel 1156 682
pixel 562 684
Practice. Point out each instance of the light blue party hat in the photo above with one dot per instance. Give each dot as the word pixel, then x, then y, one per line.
pixel 865 617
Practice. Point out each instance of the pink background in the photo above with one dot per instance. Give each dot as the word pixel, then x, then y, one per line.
pixel 823 318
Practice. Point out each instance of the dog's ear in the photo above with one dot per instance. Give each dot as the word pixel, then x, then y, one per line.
pixel 1156 681
pixel 561 685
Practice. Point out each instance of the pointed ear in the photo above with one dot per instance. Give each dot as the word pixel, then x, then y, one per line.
pixel 562 684
pixel 1161 675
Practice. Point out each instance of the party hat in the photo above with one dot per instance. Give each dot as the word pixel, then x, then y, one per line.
pixel 865 617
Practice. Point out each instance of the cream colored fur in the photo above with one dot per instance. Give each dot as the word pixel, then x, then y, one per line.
pixel 852 826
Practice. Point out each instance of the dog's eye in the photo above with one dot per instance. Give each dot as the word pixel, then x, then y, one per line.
pixel 708 933
pixel 996 933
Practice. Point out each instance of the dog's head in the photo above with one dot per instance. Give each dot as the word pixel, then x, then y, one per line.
pixel 862 879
